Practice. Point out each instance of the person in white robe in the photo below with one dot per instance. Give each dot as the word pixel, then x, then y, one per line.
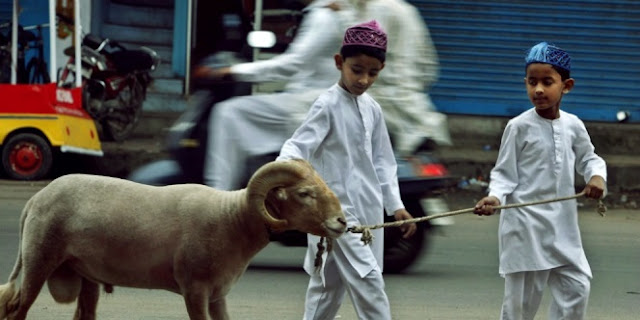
pixel 540 151
pixel 247 126
pixel 345 138
pixel 412 67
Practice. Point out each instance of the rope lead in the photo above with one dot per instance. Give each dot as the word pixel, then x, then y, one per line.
pixel 318 261
pixel 367 236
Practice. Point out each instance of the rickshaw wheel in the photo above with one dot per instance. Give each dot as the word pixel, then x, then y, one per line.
pixel 27 156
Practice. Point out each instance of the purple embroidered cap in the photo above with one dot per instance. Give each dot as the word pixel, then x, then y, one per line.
pixel 368 34
pixel 547 53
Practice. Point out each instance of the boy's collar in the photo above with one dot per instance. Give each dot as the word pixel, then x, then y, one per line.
pixel 346 92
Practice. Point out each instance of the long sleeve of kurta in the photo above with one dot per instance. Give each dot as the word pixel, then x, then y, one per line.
pixel 386 167
pixel 345 139
pixel 538 159
pixel 588 163
pixel 504 176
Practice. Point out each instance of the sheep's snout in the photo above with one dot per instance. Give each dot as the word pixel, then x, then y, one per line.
pixel 335 226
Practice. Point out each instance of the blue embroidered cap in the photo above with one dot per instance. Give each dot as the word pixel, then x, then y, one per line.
pixel 547 53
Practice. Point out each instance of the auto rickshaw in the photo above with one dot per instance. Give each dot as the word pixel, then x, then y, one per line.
pixel 40 120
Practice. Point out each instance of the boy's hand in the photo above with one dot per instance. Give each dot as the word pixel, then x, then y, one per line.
pixel 595 187
pixel 407 229
pixel 484 207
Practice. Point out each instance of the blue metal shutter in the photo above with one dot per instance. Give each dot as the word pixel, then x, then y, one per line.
pixel 6 10
pixel 482 44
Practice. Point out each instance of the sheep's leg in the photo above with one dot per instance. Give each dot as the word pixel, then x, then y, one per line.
pixel 218 309
pixel 32 282
pixel 87 301
pixel 39 262
pixel 196 298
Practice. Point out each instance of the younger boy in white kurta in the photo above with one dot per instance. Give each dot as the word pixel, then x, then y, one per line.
pixel 541 149
pixel 345 138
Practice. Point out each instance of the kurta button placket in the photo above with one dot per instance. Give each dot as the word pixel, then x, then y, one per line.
pixel 366 125
pixel 557 143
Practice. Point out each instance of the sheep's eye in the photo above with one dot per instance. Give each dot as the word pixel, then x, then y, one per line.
pixel 306 193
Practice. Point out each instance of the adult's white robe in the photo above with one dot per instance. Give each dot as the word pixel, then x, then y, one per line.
pixel 345 138
pixel 247 126
pixel 411 68
pixel 537 160
pixel 308 61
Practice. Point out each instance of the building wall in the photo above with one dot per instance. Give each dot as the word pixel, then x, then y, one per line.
pixel 482 44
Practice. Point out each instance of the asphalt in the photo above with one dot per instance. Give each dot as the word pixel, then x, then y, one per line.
pixel 476 141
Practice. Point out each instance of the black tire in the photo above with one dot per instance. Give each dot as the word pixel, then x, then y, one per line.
pixel 119 125
pixel 27 156
pixel 399 253
pixel 37 71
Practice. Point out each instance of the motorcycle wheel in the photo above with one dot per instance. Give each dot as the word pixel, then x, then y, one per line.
pixel 399 253
pixel 120 125
pixel 27 156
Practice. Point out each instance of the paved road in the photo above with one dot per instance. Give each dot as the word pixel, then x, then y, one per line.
pixel 456 279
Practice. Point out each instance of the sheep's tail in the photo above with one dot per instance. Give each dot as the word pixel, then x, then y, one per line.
pixel 9 295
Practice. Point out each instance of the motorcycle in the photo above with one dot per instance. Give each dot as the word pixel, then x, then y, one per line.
pixel 115 81
pixel 421 176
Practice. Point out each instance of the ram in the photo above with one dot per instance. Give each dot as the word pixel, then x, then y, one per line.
pixel 83 231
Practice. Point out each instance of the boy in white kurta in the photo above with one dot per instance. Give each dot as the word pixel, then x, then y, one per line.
pixel 540 152
pixel 345 138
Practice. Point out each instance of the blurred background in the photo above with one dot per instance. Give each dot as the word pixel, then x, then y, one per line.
pixel 480 44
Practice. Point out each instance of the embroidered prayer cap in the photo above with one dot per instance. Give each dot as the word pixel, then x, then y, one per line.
pixel 547 53
pixel 368 34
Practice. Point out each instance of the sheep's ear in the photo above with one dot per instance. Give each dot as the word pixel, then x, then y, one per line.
pixel 281 194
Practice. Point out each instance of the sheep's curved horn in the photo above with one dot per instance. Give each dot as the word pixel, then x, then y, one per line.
pixel 269 176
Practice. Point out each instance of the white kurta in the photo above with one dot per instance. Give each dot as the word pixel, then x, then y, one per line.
pixel 538 159
pixel 345 138
pixel 246 126
pixel 411 68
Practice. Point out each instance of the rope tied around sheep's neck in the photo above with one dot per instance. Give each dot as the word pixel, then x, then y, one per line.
pixel 318 261
pixel 367 236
